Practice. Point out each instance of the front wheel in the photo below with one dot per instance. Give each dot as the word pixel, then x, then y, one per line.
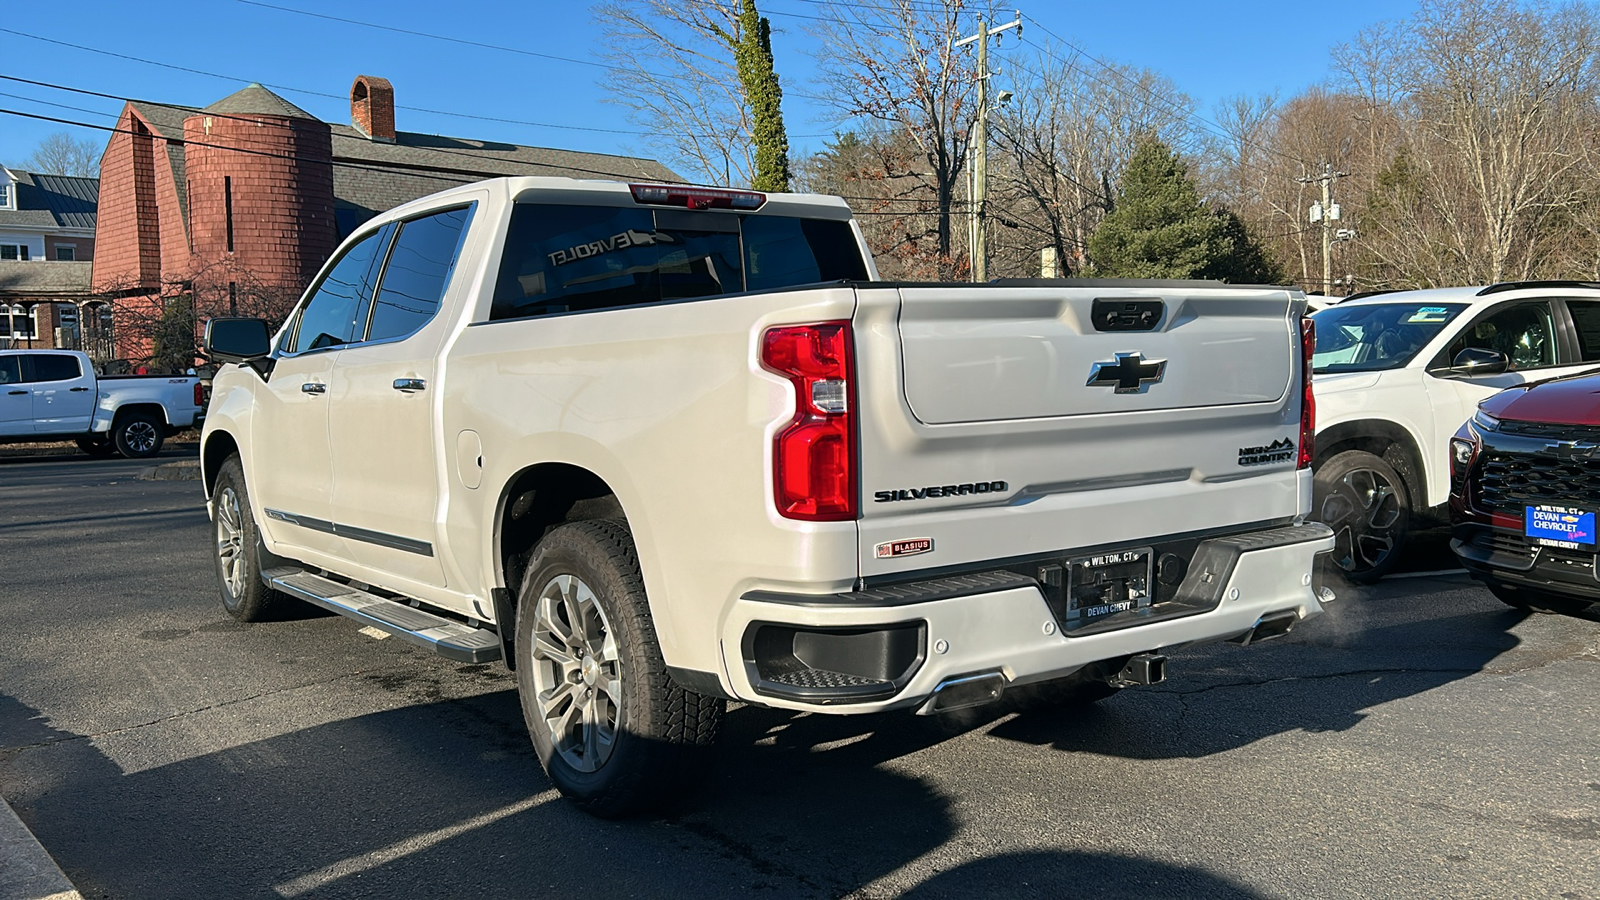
pixel 1364 500
pixel 615 734
pixel 138 435
pixel 239 550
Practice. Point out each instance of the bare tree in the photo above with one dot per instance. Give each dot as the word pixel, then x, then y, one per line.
pixel 1497 106
pixel 892 63
pixel 1064 138
pixel 683 83
pixel 60 154
pixel 159 327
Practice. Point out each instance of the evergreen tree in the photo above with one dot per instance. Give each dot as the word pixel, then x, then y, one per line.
pixel 1160 227
pixel 753 54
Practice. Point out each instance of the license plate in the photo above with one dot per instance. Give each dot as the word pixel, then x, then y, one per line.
pixel 1108 583
pixel 1560 526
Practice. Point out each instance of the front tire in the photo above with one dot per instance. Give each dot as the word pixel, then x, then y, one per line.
pixel 138 435
pixel 615 734
pixel 239 550
pixel 1366 503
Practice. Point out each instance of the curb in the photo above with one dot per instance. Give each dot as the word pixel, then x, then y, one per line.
pixel 26 871
pixel 182 470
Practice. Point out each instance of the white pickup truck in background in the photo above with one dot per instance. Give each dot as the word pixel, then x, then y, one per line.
pixel 659 447
pixel 50 395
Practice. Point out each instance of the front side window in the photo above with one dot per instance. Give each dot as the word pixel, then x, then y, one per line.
pixel 1371 337
pixel 55 367
pixel 10 370
pixel 418 270
pixel 329 317
pixel 1525 333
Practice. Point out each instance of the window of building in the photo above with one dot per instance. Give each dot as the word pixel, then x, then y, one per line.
pixel 5 193
pixel 20 322
pixel 227 201
pixel 66 253
pixel 14 251
pixel 416 274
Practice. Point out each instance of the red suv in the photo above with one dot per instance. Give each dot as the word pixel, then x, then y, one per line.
pixel 1525 491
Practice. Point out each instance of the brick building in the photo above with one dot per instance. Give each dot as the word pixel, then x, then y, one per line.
pixel 233 207
pixel 47 227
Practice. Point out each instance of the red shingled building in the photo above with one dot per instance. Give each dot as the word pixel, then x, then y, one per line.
pixel 234 207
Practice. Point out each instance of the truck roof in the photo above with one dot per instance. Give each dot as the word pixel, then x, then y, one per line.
pixel 1479 294
pixel 599 192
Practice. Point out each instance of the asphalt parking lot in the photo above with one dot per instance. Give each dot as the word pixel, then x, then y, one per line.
pixel 1420 740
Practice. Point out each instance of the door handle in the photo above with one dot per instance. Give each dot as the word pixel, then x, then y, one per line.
pixel 77 389
pixel 410 385
pixel 14 393
pixel 312 387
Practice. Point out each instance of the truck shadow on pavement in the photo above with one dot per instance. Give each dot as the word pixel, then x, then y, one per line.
pixel 445 797
pixel 446 800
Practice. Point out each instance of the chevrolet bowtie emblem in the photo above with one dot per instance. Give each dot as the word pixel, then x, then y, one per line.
pixel 1130 373
pixel 1573 450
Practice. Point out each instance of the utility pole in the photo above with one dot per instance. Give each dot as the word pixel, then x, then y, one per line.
pixel 1327 212
pixel 978 144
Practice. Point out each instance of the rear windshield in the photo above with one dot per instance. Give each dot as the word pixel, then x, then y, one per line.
pixel 582 258
pixel 1368 337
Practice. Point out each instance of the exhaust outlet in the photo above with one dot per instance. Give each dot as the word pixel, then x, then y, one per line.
pixel 963 691
pixel 1145 668
pixel 1271 625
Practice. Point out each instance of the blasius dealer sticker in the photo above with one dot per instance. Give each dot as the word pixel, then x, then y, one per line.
pixel 908 547
pixel 1281 450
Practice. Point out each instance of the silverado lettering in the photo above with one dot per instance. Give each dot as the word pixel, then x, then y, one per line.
pixel 948 490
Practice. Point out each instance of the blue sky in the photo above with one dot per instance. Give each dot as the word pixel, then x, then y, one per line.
pixel 1210 50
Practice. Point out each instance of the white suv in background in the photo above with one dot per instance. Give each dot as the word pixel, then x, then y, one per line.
pixel 1397 373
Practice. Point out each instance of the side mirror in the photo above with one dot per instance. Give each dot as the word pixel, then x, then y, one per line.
pixel 1475 361
pixel 237 339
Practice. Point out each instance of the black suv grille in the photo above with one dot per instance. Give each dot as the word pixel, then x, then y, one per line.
pixel 1512 481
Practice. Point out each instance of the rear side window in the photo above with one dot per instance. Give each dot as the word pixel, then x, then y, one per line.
pixel 416 274
pixel 1586 315
pixel 54 367
pixel 782 252
pixel 329 317
pixel 582 258
pixel 10 370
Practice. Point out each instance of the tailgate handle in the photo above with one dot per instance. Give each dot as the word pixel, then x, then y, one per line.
pixel 1127 315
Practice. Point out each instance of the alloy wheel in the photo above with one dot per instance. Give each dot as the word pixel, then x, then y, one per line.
pixel 577 673
pixel 141 437
pixel 230 540
pixel 1363 509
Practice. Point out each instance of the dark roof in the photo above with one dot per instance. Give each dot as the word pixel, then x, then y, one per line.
pixel 46 201
pixel 372 176
pixel 43 279
pixel 255 100
pixel 379 175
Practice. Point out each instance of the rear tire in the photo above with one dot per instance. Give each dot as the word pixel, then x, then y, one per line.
pixel 614 732
pixel 98 446
pixel 138 435
pixel 1529 600
pixel 1368 506
pixel 239 551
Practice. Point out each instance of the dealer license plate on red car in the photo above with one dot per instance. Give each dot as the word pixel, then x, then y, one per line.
pixel 1560 526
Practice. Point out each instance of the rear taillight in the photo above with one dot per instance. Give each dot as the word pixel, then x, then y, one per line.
pixel 696 197
pixel 814 455
pixel 199 395
pixel 1308 402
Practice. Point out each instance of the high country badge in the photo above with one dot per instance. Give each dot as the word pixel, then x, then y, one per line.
pixel 1280 450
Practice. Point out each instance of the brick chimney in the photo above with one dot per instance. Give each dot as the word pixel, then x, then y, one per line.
pixel 372 107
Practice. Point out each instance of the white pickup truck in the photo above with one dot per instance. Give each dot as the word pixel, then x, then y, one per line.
pixel 659 447
pixel 48 395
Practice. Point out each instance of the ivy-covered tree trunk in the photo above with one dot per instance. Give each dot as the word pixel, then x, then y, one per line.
pixel 753 54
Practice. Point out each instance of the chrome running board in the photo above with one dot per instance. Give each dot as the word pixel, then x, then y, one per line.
pixel 447 637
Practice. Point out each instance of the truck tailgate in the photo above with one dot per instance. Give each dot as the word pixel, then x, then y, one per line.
pixel 983 438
